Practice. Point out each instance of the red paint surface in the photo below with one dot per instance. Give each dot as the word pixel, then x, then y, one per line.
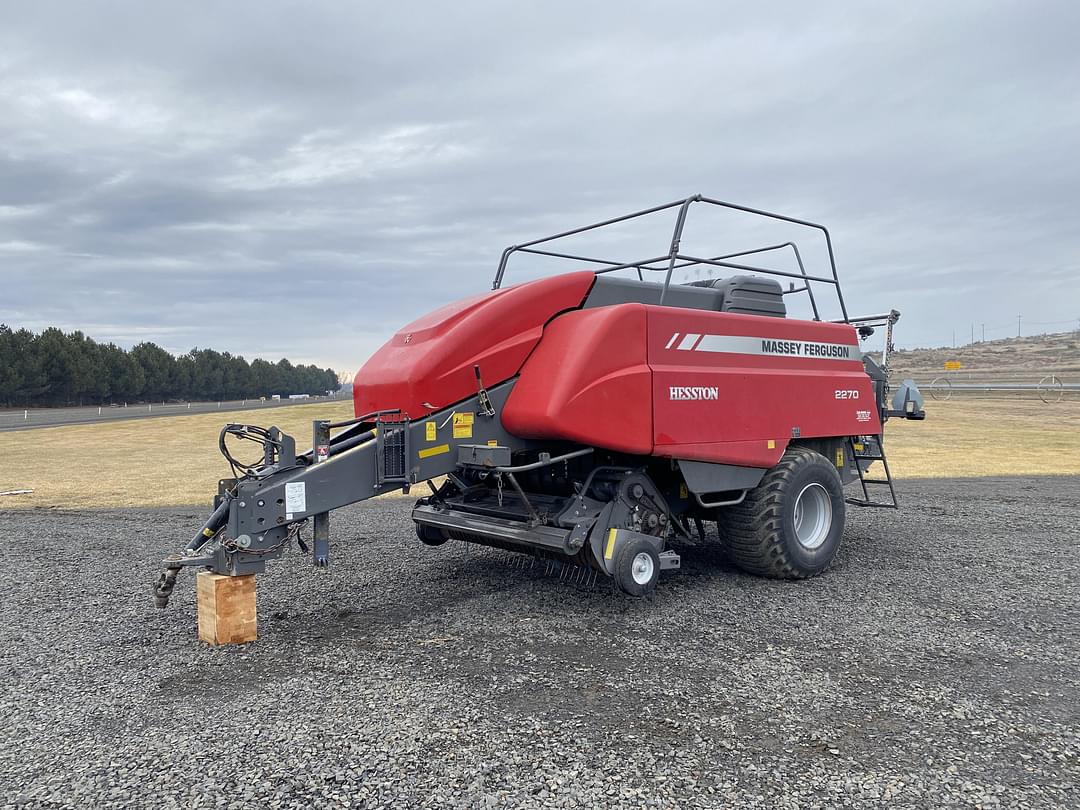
pixel 602 377
pixel 761 398
pixel 588 381
pixel 431 360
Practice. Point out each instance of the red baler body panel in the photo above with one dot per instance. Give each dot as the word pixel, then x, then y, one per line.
pixel 634 378
pixel 588 381
pixel 744 385
pixel 430 361
pixel 775 379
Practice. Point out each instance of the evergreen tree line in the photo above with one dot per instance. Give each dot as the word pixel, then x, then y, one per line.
pixel 54 368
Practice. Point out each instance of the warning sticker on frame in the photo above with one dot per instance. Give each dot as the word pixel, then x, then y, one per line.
pixel 463 423
pixel 430 431
pixel 296 497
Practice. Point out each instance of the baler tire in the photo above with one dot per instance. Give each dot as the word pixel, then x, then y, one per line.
pixel 760 533
pixel 430 536
pixel 629 569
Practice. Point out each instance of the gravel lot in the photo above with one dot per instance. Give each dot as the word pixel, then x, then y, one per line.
pixel 937 664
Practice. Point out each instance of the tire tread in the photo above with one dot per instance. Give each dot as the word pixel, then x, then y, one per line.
pixel 752 530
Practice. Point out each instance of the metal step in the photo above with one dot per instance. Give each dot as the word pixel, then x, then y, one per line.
pixel 864 482
pixel 870 503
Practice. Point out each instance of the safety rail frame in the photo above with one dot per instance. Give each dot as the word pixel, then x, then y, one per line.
pixel 674 259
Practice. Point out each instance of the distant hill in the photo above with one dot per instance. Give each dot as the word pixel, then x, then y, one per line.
pixel 1023 359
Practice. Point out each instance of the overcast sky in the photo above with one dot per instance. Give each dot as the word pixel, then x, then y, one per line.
pixel 302 179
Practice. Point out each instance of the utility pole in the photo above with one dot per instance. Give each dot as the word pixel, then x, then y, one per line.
pixel 984 333
pixel 973 333
pixel 954 338
pixel 1018 325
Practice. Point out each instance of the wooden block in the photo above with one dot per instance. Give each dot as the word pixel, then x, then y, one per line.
pixel 226 608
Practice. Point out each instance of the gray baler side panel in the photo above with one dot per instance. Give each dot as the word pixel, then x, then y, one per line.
pixel 608 291
pixel 752 295
pixel 703 476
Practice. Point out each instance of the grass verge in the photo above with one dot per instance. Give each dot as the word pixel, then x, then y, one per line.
pixel 976 437
pixel 137 462
pixel 174 460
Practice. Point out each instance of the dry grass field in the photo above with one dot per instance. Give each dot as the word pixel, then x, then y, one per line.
pixel 139 462
pixel 174 460
pixel 963 438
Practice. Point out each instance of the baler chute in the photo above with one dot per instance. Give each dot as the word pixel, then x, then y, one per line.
pixel 620 414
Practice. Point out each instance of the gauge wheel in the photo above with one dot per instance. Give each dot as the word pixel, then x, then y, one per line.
pixel 430 536
pixel 637 567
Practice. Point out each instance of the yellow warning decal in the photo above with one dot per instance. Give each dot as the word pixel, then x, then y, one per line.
pixel 684 493
pixel 463 423
pixel 858 446
pixel 609 551
pixel 772 444
pixel 430 429
pixel 839 456
pixel 437 450
pixel 493 442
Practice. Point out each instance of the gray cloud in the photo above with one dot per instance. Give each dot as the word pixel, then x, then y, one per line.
pixel 302 179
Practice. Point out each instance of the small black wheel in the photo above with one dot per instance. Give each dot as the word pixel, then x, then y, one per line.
pixel 637 567
pixel 791 524
pixel 430 536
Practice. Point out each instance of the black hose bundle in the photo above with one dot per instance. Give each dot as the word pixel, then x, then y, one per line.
pixel 268 438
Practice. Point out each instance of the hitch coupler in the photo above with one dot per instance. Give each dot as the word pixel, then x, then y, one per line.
pixel 164 587
pixel 167 581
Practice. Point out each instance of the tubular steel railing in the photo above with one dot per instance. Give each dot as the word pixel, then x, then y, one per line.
pixel 674 259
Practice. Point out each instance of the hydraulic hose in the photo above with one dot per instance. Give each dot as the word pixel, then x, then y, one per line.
pixel 211 527
pixel 164 587
pixel 167 581
pixel 217 519
pixel 341 443
pixel 349 444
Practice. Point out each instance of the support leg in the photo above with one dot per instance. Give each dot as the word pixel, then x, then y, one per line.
pixel 321 535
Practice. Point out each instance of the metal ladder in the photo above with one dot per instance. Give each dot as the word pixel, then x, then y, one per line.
pixel 879 455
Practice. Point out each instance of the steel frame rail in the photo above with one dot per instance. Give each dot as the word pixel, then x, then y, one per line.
pixel 674 259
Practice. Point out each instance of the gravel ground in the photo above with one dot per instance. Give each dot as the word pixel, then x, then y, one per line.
pixel 935 665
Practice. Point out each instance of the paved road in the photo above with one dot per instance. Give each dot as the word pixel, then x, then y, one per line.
pixel 19 419
pixel 935 665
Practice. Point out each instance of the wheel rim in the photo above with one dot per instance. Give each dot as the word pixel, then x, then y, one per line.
pixel 813 516
pixel 642 568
